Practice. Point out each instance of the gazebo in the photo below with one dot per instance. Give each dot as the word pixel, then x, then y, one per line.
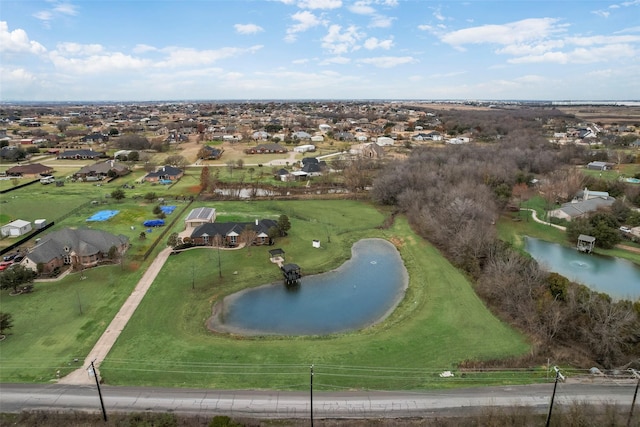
pixel 586 243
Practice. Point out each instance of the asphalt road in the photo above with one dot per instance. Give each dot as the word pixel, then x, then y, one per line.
pixel 277 404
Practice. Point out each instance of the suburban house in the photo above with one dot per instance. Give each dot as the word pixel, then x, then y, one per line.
pixel 282 175
pixel 102 170
pixel 583 204
pixel 79 248
pixel 431 136
pixel 304 148
pixel 16 228
pixel 212 153
pixel 384 140
pixel 372 151
pixel 200 216
pixel 79 155
pixel 164 173
pixel 227 234
pixel 266 148
pixel 34 170
pixel 599 166
pixel 95 138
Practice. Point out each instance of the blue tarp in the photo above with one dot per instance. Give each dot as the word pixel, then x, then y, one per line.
pixel 153 223
pixel 168 210
pixel 102 215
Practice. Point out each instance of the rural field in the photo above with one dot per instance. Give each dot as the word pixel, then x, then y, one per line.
pixel 439 323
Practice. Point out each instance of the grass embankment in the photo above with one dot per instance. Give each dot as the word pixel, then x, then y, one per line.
pixel 439 323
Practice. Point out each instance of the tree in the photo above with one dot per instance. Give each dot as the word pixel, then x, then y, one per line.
pixel 133 156
pixel 173 240
pixel 150 196
pixel 240 163
pixel 16 276
pixel 248 236
pixel 62 126
pixel 176 160
pixel 142 235
pixel 283 224
pixel 6 322
pixel 205 178
pixel 118 194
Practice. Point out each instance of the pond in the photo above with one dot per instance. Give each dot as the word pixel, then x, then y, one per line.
pixel 616 277
pixel 361 292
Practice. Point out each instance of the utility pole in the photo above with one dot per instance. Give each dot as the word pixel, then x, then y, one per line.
pixel 555 384
pixel 95 375
pixel 635 394
pixel 311 394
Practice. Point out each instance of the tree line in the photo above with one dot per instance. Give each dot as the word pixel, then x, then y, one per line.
pixel 454 195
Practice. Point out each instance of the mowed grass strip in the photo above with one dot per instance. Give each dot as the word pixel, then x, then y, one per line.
pixel 440 322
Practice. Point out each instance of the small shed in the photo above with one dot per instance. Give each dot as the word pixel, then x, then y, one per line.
pixel 16 228
pixel 276 253
pixel 586 243
pixel 199 216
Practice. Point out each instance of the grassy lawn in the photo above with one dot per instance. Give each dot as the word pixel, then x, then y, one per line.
pixel 60 321
pixel 439 323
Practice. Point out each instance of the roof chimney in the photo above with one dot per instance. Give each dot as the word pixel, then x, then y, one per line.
pixel 256 222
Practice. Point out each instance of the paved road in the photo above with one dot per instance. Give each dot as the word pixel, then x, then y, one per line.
pixel 274 404
pixel 110 335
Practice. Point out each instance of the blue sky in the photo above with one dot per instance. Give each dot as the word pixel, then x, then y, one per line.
pixel 142 50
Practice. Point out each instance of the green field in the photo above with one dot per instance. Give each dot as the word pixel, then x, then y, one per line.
pixel 440 323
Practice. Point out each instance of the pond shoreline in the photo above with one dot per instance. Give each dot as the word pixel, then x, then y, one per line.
pixel 216 323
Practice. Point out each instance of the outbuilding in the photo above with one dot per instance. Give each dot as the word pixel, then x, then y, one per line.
pixel 16 228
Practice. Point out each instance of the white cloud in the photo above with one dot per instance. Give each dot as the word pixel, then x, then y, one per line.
pixel 388 61
pixel 506 34
pixel 362 8
pixel 306 20
pixel 320 4
pixel 339 42
pixel 60 8
pixel 77 49
pixel 143 48
pixel 581 55
pixel 65 8
pixel 18 41
pixel 602 13
pixel 341 60
pixel 16 76
pixel 373 43
pixel 300 61
pixel 381 21
pixel 248 28
pixel 186 57
pixel 93 64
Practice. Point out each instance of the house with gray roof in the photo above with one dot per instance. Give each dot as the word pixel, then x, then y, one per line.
pixel 78 248
pixel 102 170
pixel 227 234
pixel 578 208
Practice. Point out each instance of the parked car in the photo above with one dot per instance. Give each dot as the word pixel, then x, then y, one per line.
pixel 5 264
pixel 9 257
pixel 625 229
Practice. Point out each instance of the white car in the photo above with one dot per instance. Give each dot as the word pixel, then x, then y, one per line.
pixel 625 229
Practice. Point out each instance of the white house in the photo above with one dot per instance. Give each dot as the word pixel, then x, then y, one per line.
pixel 304 148
pixel 384 140
pixel 324 127
pixel 16 228
pixel 317 138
